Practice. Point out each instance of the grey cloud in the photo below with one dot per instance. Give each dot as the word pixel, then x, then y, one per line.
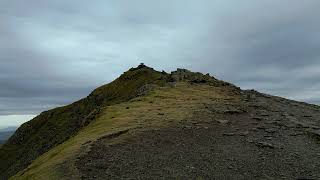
pixel 54 52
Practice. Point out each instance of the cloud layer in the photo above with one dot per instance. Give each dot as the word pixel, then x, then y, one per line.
pixel 55 52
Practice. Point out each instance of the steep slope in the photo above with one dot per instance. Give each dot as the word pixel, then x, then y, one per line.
pixel 186 125
pixel 55 126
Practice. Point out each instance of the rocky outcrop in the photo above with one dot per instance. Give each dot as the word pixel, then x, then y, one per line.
pixel 197 77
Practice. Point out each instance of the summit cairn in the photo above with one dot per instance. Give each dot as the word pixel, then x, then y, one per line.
pixel 141 65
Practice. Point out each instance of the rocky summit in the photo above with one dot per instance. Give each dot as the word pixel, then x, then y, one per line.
pixel 156 125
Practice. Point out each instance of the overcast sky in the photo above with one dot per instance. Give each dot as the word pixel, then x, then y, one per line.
pixel 55 52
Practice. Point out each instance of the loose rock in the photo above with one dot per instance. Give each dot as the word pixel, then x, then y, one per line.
pixel 222 121
pixel 244 133
pixel 228 134
pixel 265 145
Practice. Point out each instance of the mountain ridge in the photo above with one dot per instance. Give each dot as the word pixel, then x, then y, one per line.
pixel 42 133
pixel 143 102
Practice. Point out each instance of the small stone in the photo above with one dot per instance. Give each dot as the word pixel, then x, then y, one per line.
pixel 222 121
pixel 127 107
pixel 291 125
pixel 261 127
pixel 265 145
pixel 188 127
pixel 228 134
pixel 270 122
pixel 249 140
pixel 244 133
pixel 307 115
pixel 257 118
pixel 270 130
pixel 191 167
pixel 235 111
pixel 296 134
pixel 315 133
pixel 230 166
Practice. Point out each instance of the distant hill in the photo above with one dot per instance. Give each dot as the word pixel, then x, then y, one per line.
pixel 4 136
pixel 10 128
pixel 5 133
pixel 180 125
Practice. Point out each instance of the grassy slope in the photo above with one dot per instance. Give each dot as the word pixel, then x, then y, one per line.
pixel 53 127
pixel 160 108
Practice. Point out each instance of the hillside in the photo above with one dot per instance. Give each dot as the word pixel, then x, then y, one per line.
pixel 55 126
pixel 154 125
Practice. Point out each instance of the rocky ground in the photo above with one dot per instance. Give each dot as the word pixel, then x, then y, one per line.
pixel 258 137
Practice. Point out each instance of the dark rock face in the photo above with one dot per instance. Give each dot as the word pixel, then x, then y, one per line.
pixel 198 78
pixel 186 75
